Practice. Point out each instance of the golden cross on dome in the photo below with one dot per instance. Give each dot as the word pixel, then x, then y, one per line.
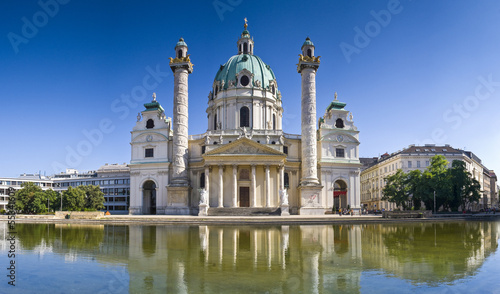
pixel 246 23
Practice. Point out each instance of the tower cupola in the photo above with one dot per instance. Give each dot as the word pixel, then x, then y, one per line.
pixel 245 43
pixel 181 49
pixel 308 48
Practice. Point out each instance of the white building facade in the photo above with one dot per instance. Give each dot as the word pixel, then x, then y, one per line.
pixel 244 163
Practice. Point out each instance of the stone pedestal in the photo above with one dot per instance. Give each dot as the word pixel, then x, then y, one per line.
pixel 285 210
pixel 135 210
pixel 203 210
pixel 178 200
pixel 310 200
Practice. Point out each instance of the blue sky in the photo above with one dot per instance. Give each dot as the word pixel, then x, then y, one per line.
pixel 411 72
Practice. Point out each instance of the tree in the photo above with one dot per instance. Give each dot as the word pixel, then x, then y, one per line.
pixel 54 199
pixel 464 188
pixel 437 177
pixel 94 198
pixel 416 187
pixel 396 189
pixel 31 199
pixel 74 199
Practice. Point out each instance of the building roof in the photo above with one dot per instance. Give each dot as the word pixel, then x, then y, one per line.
pixel 252 63
pixel 429 148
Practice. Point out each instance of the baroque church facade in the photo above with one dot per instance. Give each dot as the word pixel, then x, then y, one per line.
pixel 244 163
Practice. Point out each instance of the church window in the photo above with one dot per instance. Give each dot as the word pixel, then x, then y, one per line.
pixel 273 142
pixel 273 89
pixel 339 123
pixel 245 48
pixel 339 152
pixel 215 143
pixel 286 181
pixel 203 149
pixel 244 117
pixel 202 180
pixel 244 81
pixel 274 121
pixel 179 53
pixel 250 47
pixel 150 124
pixel 309 52
pixel 285 149
pixel 215 122
pixel 148 152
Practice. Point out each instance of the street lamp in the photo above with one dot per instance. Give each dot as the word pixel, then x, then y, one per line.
pixel 434 202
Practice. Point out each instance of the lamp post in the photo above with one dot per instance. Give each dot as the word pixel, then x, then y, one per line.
pixel 434 202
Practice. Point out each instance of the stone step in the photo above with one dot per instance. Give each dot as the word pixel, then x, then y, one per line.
pixel 235 211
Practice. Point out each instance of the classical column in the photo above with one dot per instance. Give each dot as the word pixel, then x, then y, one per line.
pixel 282 178
pixel 221 185
pixel 268 188
pixel 181 67
pixel 235 185
pixel 207 183
pixel 307 67
pixel 254 188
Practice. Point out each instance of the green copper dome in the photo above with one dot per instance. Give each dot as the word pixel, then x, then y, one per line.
pixel 181 43
pixel 308 42
pixel 261 71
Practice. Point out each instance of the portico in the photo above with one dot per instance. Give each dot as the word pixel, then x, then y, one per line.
pixel 244 174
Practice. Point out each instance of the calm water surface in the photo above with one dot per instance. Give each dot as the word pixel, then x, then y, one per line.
pixel 440 257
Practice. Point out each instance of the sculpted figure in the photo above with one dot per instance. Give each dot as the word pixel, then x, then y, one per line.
pixel 284 197
pixel 203 196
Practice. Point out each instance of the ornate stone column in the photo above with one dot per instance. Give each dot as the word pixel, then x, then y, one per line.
pixel 178 190
pixel 221 186
pixel 235 185
pixel 268 187
pixel 254 187
pixel 310 189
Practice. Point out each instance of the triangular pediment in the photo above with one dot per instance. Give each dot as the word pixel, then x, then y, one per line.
pixel 244 147
pixel 340 137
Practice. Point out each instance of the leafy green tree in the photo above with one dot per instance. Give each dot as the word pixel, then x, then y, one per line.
pixel 464 189
pixel 416 187
pixel 54 199
pixel 74 199
pixel 437 177
pixel 396 189
pixel 94 198
pixel 31 199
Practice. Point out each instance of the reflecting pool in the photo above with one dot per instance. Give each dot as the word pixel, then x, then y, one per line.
pixel 437 257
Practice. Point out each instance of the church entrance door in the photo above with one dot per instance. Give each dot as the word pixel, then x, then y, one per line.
pixel 244 196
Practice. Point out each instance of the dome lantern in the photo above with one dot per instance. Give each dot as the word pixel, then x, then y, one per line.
pixel 245 43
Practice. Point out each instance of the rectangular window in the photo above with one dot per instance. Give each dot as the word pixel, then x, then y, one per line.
pixel 409 164
pixel 285 149
pixel 339 152
pixel 148 152
pixel 385 169
pixel 418 163
pixel 427 163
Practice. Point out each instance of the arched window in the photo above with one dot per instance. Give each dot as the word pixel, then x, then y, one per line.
pixel 245 48
pixel 309 52
pixel 250 48
pixel 286 181
pixel 179 53
pixel 244 117
pixel 215 122
pixel 339 123
pixel 150 124
pixel 274 122
pixel 202 180
pixel 273 89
